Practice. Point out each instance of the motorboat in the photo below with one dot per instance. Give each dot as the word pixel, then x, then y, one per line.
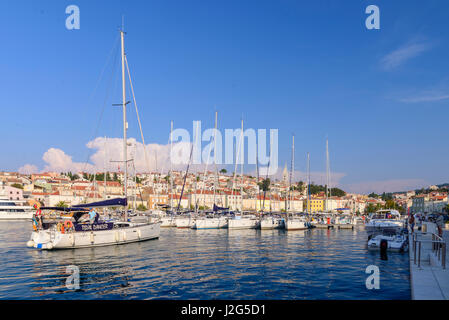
pixel 387 219
pixel 395 242
pixel 345 221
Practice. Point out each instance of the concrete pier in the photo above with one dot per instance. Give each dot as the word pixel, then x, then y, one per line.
pixel 429 281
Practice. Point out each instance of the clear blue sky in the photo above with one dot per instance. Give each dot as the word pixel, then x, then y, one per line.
pixel 305 67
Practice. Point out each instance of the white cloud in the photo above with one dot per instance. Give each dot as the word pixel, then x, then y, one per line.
pixel 386 186
pixel 426 96
pixel 404 53
pixel 105 150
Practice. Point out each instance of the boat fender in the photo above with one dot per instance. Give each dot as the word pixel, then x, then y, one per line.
pixel 117 236
pixel 124 235
pixel 383 249
pixel 92 237
pixel 30 243
pixel 49 246
pixel 72 239
pixel 139 234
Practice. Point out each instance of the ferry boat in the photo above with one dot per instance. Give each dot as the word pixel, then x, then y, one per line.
pixel 9 210
pixel 386 219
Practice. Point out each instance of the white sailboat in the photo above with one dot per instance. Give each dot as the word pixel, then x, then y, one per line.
pixel 295 222
pixel 241 221
pixel 74 234
pixel 209 221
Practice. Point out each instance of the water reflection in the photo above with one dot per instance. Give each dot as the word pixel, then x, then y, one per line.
pixel 204 264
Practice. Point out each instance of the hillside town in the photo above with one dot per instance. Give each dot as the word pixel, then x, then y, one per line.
pixel 149 191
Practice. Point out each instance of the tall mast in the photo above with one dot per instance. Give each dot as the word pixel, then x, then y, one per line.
pixel 241 170
pixel 105 169
pixel 308 183
pixel 215 153
pixel 327 175
pixel 171 166
pixel 291 173
pixel 125 124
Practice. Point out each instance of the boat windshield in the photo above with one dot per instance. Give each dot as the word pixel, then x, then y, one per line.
pixel 385 215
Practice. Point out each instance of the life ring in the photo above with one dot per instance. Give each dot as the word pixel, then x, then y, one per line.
pixel 68 224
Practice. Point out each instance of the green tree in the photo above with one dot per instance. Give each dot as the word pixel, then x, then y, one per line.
pixel 141 207
pixel 265 184
pixel 223 171
pixel 373 195
pixel 62 204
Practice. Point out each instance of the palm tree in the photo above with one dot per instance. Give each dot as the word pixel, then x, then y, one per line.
pixel 62 204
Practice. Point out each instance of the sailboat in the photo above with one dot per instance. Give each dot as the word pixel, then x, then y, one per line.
pixel 295 222
pixel 71 232
pixel 241 221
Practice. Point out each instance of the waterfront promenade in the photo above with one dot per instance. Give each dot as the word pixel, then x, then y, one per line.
pixel 429 281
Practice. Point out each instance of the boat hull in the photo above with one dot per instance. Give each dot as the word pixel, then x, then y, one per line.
pixel 51 239
pixel 272 223
pixel 185 222
pixel 295 225
pixel 244 223
pixel 207 223
pixel 5 215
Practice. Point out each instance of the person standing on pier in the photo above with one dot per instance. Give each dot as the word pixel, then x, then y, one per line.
pixel 411 221
pixel 440 224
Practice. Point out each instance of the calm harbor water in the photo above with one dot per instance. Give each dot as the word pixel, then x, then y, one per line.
pixel 205 264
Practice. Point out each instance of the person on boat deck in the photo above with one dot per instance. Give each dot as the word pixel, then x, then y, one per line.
pixel 93 216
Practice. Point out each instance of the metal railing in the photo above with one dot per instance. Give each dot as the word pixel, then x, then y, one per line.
pixel 438 247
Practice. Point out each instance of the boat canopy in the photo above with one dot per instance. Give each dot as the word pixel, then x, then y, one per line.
pixel 106 203
pixel 217 208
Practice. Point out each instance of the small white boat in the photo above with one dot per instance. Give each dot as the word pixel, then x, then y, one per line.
pixel 243 222
pixel 345 221
pixel 395 242
pixel 384 220
pixel 272 222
